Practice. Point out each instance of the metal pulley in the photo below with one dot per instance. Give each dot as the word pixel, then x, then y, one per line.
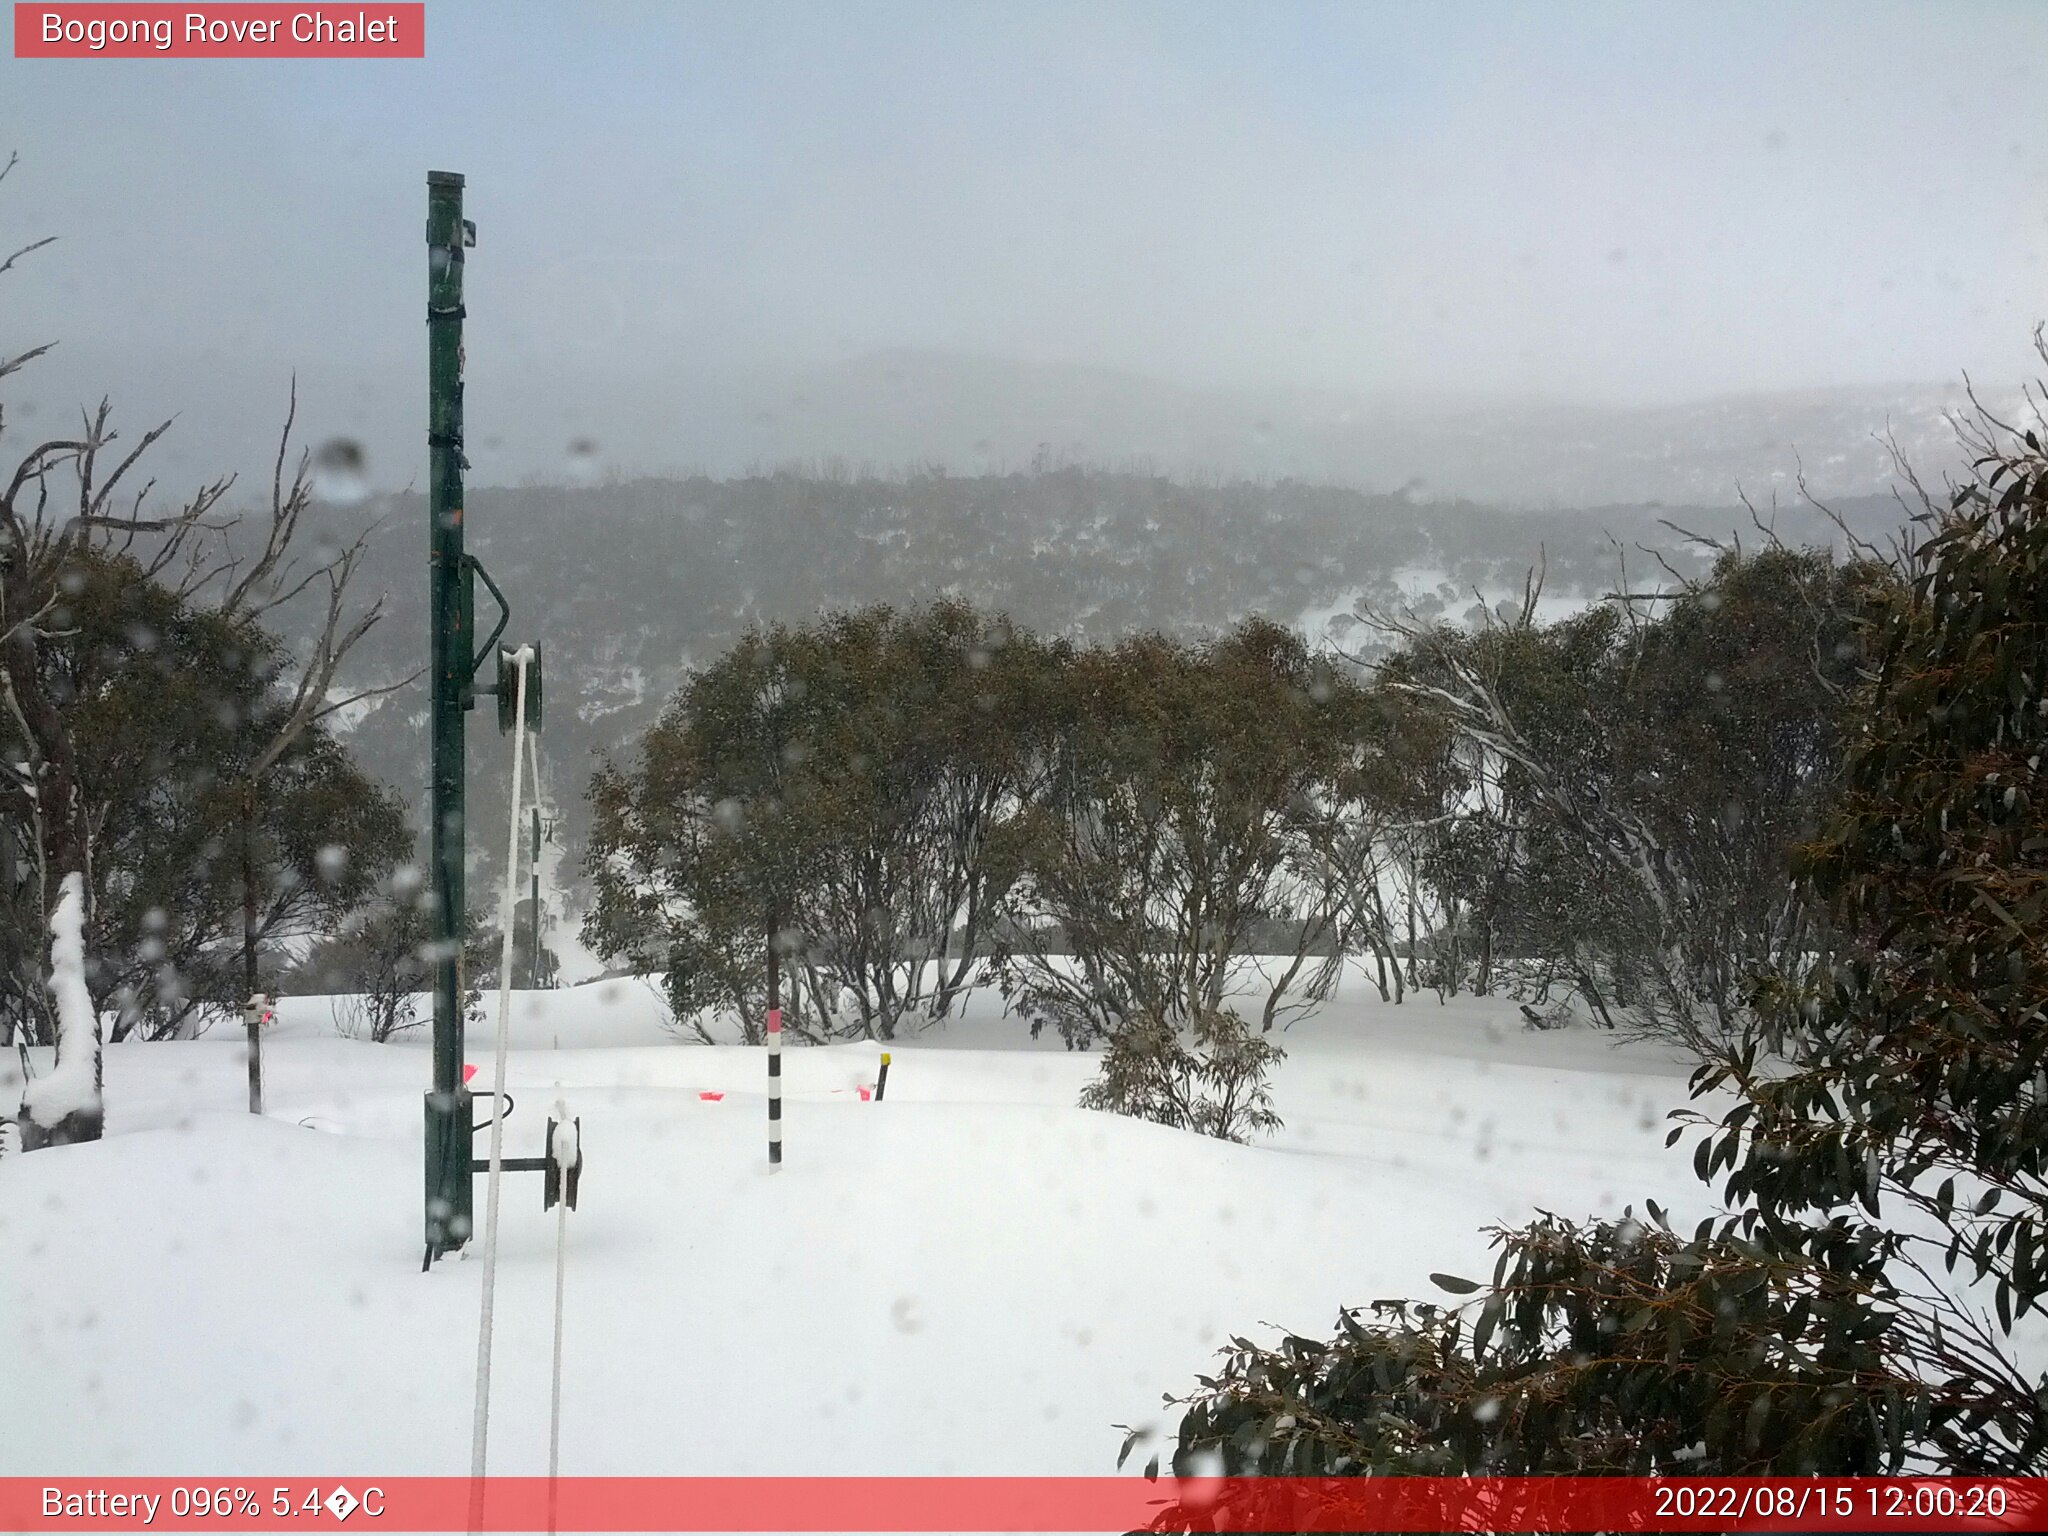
pixel 508 689
pixel 560 1163
pixel 564 1162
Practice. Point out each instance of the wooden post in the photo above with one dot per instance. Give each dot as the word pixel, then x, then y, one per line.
pixel 882 1078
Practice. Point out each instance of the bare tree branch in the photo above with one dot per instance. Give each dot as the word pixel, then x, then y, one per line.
pixel 23 359
pixel 36 463
pixel 33 245
pixel 371 693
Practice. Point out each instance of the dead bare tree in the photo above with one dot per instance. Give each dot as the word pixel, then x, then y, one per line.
pixel 253 588
pixel 68 498
pixel 41 532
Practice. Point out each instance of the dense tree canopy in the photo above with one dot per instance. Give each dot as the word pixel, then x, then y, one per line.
pixel 1200 830
pixel 1625 793
pixel 167 700
pixel 1131 839
pixel 838 790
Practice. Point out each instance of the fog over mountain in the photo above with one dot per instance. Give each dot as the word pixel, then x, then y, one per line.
pixel 905 409
pixel 1520 254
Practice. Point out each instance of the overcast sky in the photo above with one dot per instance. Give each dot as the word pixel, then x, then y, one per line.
pixel 1626 203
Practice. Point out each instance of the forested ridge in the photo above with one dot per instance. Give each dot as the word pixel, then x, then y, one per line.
pixel 627 583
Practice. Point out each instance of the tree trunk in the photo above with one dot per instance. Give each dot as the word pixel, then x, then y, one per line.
pixel 249 983
pixel 1413 979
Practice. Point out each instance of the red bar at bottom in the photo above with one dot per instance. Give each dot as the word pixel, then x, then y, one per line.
pixel 1051 1504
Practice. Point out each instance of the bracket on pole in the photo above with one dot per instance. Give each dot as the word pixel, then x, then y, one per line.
pixel 505 685
pixel 560 1177
pixel 474 568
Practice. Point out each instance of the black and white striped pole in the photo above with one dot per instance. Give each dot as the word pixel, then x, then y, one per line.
pixel 774 1087
pixel 882 1078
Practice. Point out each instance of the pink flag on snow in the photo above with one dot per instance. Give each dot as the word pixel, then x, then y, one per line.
pixel 712 1096
pixel 468 1072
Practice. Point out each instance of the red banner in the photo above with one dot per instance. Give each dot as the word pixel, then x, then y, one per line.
pixel 237 31
pixel 1051 1504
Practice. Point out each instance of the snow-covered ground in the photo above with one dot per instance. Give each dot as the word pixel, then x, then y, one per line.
pixel 973 1277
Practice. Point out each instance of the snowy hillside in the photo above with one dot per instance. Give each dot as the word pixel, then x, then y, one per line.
pixel 972 1277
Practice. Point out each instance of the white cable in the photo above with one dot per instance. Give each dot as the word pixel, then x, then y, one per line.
pixel 533 762
pixel 561 1277
pixel 481 1425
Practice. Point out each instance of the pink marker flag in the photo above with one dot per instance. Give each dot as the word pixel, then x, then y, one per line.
pixel 713 1097
pixel 468 1073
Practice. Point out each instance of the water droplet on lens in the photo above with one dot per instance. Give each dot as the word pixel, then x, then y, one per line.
pixel 582 464
pixel 339 471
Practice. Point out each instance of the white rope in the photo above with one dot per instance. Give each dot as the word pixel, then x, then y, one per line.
pixel 533 762
pixel 561 1278
pixel 481 1425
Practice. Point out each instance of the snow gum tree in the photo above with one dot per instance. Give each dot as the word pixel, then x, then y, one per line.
pixel 1197 837
pixel 1198 811
pixel 902 803
pixel 378 966
pixel 840 791
pixel 1625 792
pixel 1861 1306
pixel 163 699
pixel 1917 1076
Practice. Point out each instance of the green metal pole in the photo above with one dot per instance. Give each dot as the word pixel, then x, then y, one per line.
pixel 449 1134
